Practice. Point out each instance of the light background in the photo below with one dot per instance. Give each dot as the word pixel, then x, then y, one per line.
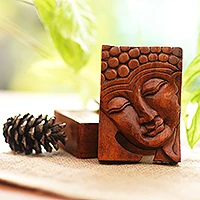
pixel 127 22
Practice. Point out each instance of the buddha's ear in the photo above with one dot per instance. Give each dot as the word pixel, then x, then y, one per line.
pixel 176 77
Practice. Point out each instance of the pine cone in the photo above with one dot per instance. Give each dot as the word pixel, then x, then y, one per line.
pixel 27 133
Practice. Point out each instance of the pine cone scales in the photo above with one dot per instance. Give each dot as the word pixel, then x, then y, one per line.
pixel 27 133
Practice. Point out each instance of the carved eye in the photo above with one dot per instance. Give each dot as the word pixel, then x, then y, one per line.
pixel 152 86
pixel 117 104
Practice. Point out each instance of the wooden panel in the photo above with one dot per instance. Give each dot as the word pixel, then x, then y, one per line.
pixel 140 103
pixel 81 131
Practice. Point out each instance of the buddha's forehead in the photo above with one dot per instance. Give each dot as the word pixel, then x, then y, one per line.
pixel 138 77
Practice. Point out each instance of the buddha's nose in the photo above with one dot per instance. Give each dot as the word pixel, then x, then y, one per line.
pixel 147 115
pixel 145 112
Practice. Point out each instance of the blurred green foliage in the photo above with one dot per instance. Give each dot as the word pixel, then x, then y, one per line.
pixel 191 96
pixel 71 25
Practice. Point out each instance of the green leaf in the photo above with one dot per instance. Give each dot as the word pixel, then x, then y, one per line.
pixel 191 74
pixel 71 25
pixel 193 133
pixel 46 10
pixel 191 94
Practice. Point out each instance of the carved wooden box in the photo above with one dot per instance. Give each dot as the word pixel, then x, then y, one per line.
pixel 140 104
pixel 81 131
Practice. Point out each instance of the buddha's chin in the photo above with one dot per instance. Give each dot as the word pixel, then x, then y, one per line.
pixel 157 138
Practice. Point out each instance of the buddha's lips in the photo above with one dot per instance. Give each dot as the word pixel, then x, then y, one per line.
pixel 159 129
pixel 155 128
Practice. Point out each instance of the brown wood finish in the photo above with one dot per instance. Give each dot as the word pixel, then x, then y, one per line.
pixel 140 104
pixel 81 130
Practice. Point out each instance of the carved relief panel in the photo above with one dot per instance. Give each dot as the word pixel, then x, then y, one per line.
pixel 140 103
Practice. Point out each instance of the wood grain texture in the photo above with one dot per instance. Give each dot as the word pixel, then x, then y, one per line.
pixel 81 131
pixel 140 104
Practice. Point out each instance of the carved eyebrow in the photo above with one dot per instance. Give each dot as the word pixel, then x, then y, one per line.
pixel 117 104
pixel 152 86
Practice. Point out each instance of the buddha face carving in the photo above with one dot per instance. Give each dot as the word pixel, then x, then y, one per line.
pixel 144 105
pixel 147 115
